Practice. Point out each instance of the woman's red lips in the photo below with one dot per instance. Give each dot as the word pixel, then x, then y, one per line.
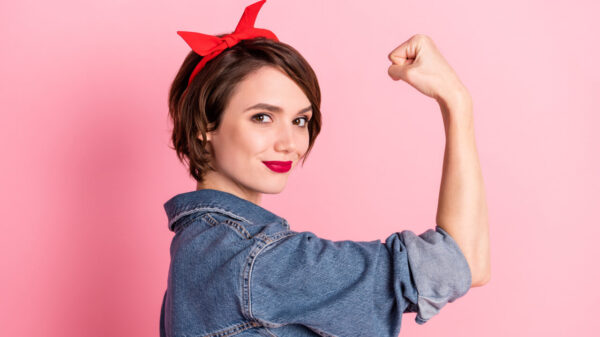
pixel 279 166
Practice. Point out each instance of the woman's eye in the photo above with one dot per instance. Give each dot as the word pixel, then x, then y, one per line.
pixel 305 119
pixel 258 117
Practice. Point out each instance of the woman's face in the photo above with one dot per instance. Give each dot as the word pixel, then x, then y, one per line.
pixel 266 119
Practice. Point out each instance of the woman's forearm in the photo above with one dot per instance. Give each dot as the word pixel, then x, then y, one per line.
pixel 462 206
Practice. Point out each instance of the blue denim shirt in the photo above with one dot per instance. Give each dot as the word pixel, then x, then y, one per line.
pixel 238 269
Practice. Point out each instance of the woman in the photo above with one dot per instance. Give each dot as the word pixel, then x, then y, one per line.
pixel 245 109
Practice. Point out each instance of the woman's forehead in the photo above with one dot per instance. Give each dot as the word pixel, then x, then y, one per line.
pixel 271 88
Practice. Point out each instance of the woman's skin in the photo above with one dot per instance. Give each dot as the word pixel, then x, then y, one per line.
pixel 244 140
pixel 462 208
pixel 247 137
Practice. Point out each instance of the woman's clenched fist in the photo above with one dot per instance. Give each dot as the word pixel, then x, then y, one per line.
pixel 418 62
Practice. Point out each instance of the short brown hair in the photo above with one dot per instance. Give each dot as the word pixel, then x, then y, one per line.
pixel 197 109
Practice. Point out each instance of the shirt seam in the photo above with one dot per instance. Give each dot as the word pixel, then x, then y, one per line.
pixel 203 208
pixel 233 330
pixel 262 242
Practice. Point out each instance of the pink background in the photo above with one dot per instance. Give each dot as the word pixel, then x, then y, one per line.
pixel 86 165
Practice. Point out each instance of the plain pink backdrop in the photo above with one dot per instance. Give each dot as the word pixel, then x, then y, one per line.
pixel 86 163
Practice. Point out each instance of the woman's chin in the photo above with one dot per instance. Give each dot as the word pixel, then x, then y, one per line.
pixel 274 188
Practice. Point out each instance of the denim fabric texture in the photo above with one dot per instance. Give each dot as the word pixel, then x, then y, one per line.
pixel 238 269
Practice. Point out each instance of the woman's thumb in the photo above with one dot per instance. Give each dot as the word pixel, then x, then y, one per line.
pixel 402 57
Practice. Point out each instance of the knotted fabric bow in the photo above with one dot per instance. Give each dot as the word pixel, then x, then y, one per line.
pixel 210 46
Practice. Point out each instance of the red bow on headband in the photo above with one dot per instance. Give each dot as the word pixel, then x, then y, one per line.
pixel 210 46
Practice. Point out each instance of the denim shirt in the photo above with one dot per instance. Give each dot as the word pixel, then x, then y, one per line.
pixel 238 269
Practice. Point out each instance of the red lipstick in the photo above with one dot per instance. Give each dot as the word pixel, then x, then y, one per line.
pixel 279 166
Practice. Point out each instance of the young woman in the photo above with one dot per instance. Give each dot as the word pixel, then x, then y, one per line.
pixel 245 110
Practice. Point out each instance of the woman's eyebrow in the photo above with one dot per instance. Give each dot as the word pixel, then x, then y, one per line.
pixel 274 108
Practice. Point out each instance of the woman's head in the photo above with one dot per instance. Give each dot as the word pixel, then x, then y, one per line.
pixel 221 139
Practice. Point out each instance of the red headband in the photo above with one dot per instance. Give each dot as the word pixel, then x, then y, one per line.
pixel 210 46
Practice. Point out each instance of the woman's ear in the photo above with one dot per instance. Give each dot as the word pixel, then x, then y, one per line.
pixel 208 144
pixel 208 137
pixel 208 133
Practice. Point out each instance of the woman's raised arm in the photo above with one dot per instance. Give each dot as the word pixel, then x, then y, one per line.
pixel 462 207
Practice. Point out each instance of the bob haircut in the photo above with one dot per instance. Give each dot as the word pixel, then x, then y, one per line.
pixel 197 109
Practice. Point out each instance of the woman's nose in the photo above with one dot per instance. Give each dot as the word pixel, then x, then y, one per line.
pixel 285 139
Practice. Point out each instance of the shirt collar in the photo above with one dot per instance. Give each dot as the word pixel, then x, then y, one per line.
pixel 186 203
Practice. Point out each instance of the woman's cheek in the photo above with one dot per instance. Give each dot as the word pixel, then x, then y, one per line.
pixel 257 140
pixel 303 142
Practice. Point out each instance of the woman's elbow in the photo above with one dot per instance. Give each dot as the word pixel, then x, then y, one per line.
pixel 482 277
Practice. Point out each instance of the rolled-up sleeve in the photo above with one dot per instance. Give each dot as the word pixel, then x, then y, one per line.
pixel 440 272
pixel 356 288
